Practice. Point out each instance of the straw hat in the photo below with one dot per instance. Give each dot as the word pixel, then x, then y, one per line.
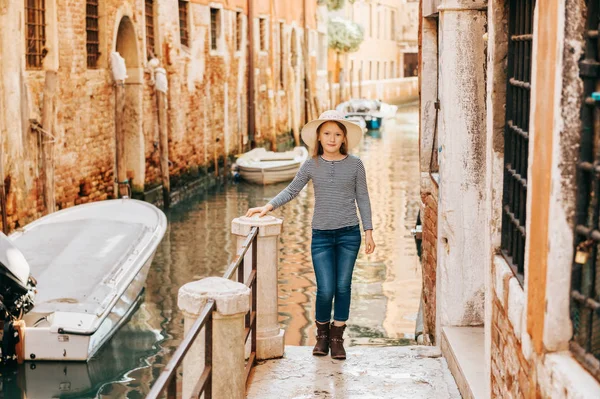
pixel 353 131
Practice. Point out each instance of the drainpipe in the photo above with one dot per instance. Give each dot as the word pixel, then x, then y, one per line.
pixel 250 106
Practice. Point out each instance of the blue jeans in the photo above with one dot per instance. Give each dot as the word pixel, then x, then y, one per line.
pixel 333 254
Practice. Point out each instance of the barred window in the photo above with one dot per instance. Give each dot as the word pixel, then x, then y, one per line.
pixel 35 32
pixel 238 31
pixel 215 28
pixel 183 23
pixel 262 24
pixel 516 136
pixel 92 33
pixel 150 44
pixel 585 281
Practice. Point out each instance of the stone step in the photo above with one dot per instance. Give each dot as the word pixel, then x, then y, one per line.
pixel 368 373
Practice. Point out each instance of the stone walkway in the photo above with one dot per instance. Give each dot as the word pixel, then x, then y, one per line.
pixel 410 372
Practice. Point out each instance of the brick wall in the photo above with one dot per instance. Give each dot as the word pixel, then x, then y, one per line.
pixel 207 105
pixel 429 216
pixel 510 369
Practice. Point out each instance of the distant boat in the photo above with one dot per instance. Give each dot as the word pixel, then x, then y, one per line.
pixel 372 111
pixel 260 166
pixel 359 121
pixel 74 276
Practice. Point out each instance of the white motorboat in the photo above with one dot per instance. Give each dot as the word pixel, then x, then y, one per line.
pixel 71 278
pixel 267 167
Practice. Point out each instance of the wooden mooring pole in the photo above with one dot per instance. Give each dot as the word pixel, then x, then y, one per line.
pixel 48 139
pixel 163 133
pixel 122 182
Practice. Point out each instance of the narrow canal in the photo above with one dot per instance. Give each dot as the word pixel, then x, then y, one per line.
pixel 385 293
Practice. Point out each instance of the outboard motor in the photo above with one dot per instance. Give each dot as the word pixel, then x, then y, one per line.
pixel 17 286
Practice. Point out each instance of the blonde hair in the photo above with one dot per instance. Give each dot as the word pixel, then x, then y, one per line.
pixel 318 148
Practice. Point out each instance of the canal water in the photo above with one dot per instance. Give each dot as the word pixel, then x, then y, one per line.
pixel 198 243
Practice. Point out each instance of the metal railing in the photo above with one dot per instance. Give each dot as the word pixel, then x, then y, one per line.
pixel 585 281
pixel 516 136
pixel 167 379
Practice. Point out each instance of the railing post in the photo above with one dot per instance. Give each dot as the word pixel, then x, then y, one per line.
pixel 232 300
pixel 269 337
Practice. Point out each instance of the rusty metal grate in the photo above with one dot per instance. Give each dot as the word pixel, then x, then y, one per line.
pixel 585 282
pixel 183 23
pixel 214 28
pixel 92 31
pixel 238 31
pixel 516 136
pixel 150 45
pixel 35 21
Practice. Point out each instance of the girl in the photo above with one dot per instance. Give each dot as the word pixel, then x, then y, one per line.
pixel 340 184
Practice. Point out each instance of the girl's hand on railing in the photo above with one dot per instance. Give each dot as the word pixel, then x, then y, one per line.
pixel 369 243
pixel 261 210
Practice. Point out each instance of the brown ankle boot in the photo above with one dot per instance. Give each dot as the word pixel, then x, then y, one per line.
pixel 322 346
pixel 337 342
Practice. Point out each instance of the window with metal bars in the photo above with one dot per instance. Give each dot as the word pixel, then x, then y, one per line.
pixel 35 33
pixel 238 31
pixel 215 26
pixel 516 135
pixel 585 281
pixel 150 44
pixel 262 25
pixel 92 31
pixel 183 23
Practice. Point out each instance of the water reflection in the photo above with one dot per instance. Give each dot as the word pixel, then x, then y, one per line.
pixel 198 243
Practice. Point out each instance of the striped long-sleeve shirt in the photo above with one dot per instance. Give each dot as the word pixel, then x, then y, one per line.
pixel 339 187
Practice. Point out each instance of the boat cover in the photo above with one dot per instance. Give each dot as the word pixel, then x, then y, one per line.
pixel 75 262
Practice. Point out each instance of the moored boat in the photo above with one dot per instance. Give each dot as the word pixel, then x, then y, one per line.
pixel 260 166
pixel 74 276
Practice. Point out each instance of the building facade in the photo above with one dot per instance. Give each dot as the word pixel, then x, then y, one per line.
pixel 70 131
pixel 387 55
pixel 509 144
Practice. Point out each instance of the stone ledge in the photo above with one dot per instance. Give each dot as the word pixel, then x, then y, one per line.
pixel 563 377
pixel 464 350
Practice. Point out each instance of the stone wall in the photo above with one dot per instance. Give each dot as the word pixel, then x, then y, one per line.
pixel 510 370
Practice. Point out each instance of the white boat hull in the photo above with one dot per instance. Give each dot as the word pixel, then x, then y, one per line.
pixel 92 264
pixel 269 176
pixel 265 167
pixel 42 344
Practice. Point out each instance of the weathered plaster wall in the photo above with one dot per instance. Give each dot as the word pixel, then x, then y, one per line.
pixel 462 141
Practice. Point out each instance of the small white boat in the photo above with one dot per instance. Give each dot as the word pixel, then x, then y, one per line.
pixel 267 167
pixel 359 121
pixel 71 278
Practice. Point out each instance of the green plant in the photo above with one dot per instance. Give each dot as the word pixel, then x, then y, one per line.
pixel 333 5
pixel 345 36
